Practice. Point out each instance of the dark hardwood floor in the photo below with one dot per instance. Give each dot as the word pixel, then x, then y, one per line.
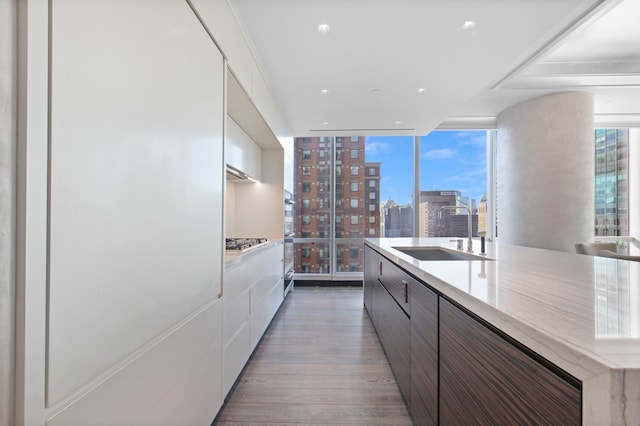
pixel 320 362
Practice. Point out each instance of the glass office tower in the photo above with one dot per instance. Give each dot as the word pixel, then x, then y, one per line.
pixel 611 182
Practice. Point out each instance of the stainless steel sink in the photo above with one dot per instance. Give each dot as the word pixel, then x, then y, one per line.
pixel 438 253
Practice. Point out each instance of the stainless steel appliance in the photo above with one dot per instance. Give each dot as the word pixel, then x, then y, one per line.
pixel 242 245
pixel 289 233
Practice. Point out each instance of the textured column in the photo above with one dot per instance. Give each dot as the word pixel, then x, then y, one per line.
pixel 546 172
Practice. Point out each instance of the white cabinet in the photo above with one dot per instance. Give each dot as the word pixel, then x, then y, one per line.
pixel 253 292
pixel 136 186
pixel 241 152
pixel 219 18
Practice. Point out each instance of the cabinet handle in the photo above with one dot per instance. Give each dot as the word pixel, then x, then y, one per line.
pixel 381 268
pixel 406 291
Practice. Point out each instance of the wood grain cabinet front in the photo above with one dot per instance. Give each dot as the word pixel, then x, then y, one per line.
pixel 424 354
pixel 393 327
pixel 371 266
pixel 486 379
pixel 396 281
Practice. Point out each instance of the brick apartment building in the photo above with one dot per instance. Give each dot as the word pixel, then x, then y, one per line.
pixel 357 202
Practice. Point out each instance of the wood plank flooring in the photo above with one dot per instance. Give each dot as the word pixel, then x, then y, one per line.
pixel 320 362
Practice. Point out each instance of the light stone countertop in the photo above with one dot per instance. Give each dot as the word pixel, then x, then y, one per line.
pixel 234 258
pixel 580 312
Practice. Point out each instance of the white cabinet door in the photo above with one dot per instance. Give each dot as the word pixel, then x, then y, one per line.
pixel 253 292
pixel 136 186
pixel 241 151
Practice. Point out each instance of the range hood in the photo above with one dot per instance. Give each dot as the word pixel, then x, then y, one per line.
pixel 236 175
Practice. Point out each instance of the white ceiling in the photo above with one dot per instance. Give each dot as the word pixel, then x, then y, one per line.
pixel 378 53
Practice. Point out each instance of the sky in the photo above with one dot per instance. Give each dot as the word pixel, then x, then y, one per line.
pixel 449 160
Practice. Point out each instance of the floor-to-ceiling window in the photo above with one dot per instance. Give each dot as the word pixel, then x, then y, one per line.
pixel 313 195
pixel 395 156
pixel 453 173
pixel 342 186
pixel 352 187
pixel 611 182
pixel 357 202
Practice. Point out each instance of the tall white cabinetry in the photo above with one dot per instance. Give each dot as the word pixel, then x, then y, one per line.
pixel 136 196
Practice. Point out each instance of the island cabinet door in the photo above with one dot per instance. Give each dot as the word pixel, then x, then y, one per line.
pixel 393 327
pixel 396 281
pixel 371 267
pixel 485 379
pixel 424 354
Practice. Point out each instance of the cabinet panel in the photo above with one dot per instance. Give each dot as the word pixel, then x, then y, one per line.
pixel 484 379
pixel 393 328
pixel 174 382
pixel 235 355
pixel 370 276
pixel 241 151
pixel 235 316
pixel 424 354
pixel 240 278
pixel 136 180
pixel 261 318
pixel 396 281
pixel 221 21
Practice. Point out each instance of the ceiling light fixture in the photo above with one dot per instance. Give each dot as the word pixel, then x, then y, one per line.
pixel 324 92
pixel 398 122
pixel 469 25
pixel 375 91
pixel 323 28
pixel 421 90
pixel 325 123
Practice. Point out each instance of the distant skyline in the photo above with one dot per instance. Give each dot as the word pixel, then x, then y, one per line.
pixel 449 160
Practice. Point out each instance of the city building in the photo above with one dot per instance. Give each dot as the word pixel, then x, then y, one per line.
pixel 458 225
pixel 482 214
pixel 398 220
pixel 357 202
pixel 430 224
pixel 611 182
pixel 447 223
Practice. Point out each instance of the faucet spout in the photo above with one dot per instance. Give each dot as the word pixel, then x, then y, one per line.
pixel 469 227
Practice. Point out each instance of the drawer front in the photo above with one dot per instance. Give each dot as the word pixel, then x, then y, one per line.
pixel 485 379
pixel 396 281
pixel 394 330
pixel 235 316
pixel 239 279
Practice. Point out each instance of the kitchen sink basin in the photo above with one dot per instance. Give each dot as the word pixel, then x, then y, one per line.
pixel 438 253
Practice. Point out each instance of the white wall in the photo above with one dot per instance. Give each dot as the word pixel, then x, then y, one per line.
pixel 8 121
pixel 545 163
pixel 259 207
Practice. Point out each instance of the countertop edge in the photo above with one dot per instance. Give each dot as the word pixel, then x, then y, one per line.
pixel 234 260
pixel 573 359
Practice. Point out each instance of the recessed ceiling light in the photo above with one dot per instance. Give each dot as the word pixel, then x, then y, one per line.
pixel 325 123
pixel 324 92
pixel 397 122
pixel 375 90
pixel 323 28
pixel 468 25
pixel 421 90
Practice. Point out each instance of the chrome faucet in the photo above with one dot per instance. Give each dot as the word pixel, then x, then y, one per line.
pixel 469 229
